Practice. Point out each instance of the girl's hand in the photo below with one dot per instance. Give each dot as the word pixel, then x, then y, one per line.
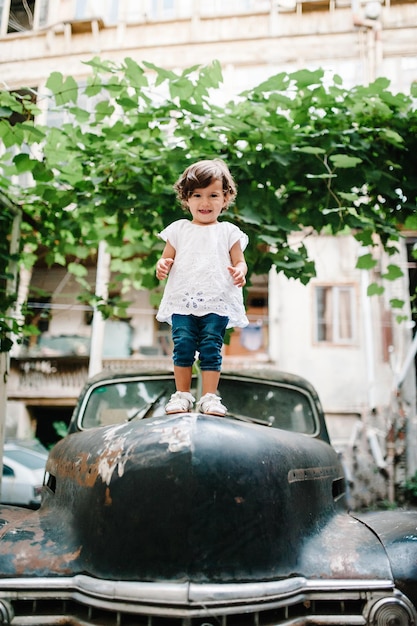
pixel 162 268
pixel 237 275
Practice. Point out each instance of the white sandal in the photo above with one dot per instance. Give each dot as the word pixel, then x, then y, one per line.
pixel 210 404
pixel 180 402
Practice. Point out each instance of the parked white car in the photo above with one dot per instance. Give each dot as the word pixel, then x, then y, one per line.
pixel 23 473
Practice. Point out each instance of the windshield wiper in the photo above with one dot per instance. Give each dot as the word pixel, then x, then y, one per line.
pixel 245 418
pixel 144 411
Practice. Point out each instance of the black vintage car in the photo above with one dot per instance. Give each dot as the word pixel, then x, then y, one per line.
pixel 195 520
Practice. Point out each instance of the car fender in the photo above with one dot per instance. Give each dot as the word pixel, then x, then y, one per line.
pixel 397 532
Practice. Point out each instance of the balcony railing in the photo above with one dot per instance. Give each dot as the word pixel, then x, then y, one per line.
pixel 58 378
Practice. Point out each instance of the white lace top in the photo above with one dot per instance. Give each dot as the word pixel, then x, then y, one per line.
pixel 199 282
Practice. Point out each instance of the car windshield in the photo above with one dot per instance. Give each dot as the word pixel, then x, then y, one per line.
pixel 277 405
pixel 274 404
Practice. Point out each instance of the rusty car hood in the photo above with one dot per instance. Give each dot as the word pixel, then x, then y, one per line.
pixel 191 498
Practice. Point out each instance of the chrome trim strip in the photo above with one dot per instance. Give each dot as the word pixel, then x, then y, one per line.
pixel 186 594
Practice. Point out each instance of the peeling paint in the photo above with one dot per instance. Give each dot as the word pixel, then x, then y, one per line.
pixel 113 459
pixel 177 438
pixel 85 468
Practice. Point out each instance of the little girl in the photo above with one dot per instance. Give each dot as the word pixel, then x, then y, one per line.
pixel 205 265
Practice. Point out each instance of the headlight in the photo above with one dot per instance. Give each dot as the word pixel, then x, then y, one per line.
pixel 391 612
pixel 6 612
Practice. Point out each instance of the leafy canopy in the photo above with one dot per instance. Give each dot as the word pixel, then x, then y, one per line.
pixel 308 155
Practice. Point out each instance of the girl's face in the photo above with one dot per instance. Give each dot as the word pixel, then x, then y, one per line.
pixel 206 203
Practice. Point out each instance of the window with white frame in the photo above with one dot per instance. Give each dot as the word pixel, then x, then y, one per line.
pixel 232 7
pixel 22 15
pixel 335 314
pixel 162 9
pixel 144 10
pixel 140 10
pixel 106 9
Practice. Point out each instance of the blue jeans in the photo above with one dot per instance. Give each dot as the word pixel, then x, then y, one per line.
pixel 205 335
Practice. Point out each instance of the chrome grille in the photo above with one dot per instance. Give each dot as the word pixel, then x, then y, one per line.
pixel 72 613
pixel 296 601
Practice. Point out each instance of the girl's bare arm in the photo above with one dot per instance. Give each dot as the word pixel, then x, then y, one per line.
pixel 238 269
pixel 165 262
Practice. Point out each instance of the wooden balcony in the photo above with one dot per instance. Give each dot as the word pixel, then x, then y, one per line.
pixel 58 380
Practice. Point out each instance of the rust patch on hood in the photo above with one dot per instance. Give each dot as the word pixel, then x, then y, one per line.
pixel 85 468
pixel 39 559
pixel 31 548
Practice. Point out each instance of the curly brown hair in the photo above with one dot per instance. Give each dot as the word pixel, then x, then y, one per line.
pixel 200 175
